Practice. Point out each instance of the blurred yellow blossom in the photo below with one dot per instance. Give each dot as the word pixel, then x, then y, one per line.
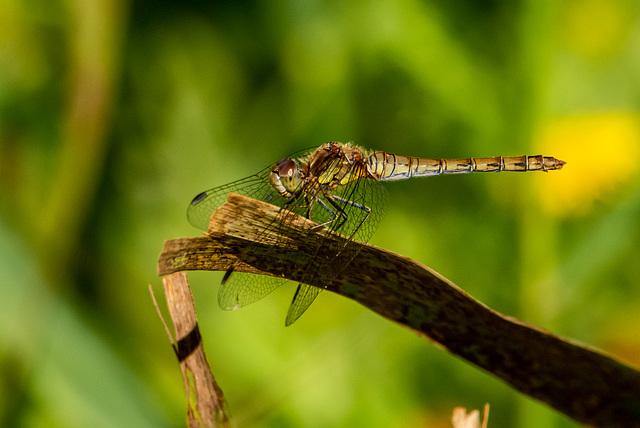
pixel 601 151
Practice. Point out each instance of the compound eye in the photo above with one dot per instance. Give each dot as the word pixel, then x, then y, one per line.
pixel 287 167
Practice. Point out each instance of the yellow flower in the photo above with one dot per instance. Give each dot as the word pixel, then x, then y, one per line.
pixel 601 151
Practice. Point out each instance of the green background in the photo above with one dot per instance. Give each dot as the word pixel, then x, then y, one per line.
pixel 114 114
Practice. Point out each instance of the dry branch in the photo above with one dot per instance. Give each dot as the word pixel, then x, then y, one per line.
pixel 581 382
pixel 206 404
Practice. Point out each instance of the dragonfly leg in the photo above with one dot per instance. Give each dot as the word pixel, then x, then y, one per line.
pixel 353 204
pixel 334 200
pixel 334 216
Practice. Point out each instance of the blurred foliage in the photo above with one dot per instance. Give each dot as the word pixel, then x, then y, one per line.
pixel 114 114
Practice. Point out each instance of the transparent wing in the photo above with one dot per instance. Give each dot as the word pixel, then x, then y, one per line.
pixel 241 289
pixel 304 297
pixel 255 186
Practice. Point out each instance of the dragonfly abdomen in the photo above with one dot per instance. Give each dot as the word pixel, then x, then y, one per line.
pixel 388 166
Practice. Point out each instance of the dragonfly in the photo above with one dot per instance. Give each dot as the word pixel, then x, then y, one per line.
pixel 337 186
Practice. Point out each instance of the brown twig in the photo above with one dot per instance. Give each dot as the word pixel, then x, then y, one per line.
pixel 206 404
pixel 583 383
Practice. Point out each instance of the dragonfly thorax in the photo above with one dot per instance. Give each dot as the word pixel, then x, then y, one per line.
pixel 286 177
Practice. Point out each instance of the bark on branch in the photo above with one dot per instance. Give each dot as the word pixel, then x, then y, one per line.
pixel 206 406
pixel 581 382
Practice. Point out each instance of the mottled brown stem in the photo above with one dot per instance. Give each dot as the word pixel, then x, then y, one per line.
pixel 583 383
pixel 206 406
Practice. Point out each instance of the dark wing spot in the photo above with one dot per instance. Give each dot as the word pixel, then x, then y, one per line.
pixel 227 275
pixel 199 198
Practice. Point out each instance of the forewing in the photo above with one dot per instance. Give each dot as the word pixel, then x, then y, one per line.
pixel 241 289
pixel 255 186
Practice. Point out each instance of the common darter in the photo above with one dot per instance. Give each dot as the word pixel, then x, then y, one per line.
pixel 336 186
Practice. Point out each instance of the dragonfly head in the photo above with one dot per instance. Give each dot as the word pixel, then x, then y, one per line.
pixel 286 177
